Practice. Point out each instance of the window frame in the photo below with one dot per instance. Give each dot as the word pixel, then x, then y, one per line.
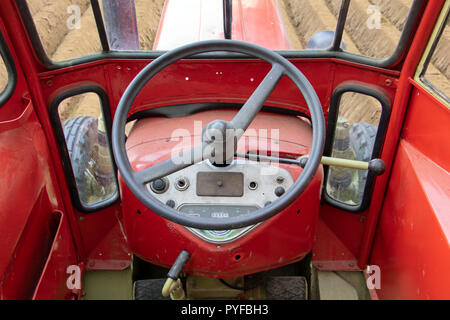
pixel 428 55
pixel 333 52
pixel 5 55
pixel 386 106
pixel 66 161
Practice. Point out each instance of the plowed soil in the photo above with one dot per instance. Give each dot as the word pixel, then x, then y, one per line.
pixel 302 18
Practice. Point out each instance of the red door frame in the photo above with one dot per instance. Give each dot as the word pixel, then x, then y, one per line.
pixel 33 221
pixel 26 61
pixel 420 41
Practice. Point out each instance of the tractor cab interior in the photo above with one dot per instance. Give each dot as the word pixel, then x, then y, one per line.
pixel 224 149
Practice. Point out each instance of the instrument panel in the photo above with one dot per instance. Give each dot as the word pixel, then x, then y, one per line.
pixel 204 190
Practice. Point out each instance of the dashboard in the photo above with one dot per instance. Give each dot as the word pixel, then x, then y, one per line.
pixel 208 191
pixel 205 190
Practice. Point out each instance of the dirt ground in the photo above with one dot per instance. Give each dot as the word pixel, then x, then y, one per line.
pixel 302 18
pixel 3 76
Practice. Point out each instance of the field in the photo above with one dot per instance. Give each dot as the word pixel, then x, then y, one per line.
pixel 302 18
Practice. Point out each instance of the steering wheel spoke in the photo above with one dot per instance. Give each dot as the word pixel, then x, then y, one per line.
pixel 256 101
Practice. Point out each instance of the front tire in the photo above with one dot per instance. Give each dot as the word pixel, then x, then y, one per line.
pixel 362 140
pixel 90 159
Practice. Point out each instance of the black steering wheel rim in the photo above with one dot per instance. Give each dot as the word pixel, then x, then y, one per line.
pixel 151 202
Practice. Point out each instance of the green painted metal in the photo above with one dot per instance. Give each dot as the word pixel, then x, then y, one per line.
pixel 108 285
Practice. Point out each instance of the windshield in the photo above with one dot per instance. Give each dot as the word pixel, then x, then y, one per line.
pixel 69 29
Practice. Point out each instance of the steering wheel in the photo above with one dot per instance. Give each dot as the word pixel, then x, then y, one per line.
pixel 216 138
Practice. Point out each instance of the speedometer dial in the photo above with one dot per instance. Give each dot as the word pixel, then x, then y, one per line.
pixel 218 212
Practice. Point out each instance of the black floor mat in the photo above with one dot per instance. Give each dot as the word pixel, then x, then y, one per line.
pixel 149 289
pixel 286 288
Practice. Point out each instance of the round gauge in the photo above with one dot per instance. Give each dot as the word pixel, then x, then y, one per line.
pixel 218 212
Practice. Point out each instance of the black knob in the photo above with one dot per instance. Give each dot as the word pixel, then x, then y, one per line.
pixel 279 191
pixel 159 185
pixel 377 166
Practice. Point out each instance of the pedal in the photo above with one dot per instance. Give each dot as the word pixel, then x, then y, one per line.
pixel 286 288
pixel 149 289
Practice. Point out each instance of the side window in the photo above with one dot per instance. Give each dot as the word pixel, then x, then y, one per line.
pixel 7 72
pixel 436 73
pixel 357 124
pixel 82 121
pixel 3 75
